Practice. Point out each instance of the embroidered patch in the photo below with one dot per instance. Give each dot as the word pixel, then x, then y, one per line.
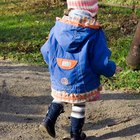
pixel 66 64
pixel 64 81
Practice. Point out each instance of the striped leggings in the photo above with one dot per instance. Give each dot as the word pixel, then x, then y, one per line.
pixel 78 109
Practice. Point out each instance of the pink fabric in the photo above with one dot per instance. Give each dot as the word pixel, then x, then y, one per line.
pixel 76 98
pixel 88 5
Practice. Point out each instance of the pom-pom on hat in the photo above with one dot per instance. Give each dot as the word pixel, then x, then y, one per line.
pixel 88 5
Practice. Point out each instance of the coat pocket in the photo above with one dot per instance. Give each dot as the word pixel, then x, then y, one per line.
pixel 65 71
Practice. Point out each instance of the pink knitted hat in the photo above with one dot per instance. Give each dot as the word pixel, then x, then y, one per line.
pixel 87 5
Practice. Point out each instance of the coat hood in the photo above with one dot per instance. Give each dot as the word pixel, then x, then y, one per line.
pixel 71 37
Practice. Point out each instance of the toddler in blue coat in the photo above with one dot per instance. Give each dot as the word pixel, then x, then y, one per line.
pixel 77 55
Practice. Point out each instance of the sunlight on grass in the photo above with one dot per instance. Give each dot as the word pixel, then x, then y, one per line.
pixel 24 27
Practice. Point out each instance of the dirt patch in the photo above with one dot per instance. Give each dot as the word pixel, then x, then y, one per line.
pixel 25 96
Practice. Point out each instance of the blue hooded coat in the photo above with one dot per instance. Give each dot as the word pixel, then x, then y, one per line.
pixel 87 48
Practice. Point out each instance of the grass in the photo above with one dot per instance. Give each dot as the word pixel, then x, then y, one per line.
pixel 25 25
pixel 24 29
pixel 122 2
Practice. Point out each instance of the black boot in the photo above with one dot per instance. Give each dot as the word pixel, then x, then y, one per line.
pixel 48 125
pixel 76 129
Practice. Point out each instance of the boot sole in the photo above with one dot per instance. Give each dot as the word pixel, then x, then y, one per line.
pixel 45 131
pixel 83 137
pixel 66 138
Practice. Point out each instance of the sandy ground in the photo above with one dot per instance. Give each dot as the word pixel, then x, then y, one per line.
pixel 25 96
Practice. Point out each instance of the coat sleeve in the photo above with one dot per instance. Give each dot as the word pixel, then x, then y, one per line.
pixel 100 57
pixel 45 49
pixel 45 52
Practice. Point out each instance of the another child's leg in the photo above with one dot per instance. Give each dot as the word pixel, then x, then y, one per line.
pixel 54 110
pixel 77 121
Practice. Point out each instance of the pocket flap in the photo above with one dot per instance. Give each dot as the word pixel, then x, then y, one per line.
pixel 66 64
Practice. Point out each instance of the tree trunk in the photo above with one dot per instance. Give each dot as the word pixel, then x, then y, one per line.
pixel 133 58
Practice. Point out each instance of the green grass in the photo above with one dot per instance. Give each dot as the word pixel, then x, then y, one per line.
pixel 24 26
pixel 122 2
pixel 120 25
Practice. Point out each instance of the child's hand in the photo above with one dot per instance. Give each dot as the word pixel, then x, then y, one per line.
pixel 118 69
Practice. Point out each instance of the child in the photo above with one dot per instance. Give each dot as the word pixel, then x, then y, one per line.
pixel 77 55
